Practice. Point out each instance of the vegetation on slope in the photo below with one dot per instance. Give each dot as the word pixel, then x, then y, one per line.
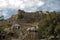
pixel 49 24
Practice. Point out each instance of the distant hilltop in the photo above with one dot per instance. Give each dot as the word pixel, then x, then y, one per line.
pixel 28 17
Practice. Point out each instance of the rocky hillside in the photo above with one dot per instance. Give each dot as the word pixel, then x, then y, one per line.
pixel 30 25
pixel 26 17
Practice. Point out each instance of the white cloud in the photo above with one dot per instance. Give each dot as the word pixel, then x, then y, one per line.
pixel 33 4
pixel 14 3
pixel 21 4
pixel 4 13
pixel 51 5
pixel 3 3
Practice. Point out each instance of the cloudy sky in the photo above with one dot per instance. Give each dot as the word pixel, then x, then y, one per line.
pixel 10 7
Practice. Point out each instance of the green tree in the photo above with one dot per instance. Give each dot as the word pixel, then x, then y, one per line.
pixel 20 16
